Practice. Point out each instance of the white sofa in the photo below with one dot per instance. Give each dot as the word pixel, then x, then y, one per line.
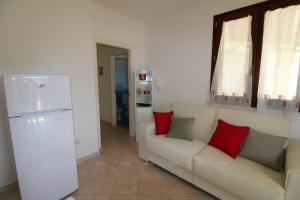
pixel 212 170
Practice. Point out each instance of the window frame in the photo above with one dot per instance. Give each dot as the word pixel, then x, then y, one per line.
pixel 257 11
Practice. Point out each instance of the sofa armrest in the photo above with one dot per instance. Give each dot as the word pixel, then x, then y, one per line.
pixel 292 173
pixel 143 129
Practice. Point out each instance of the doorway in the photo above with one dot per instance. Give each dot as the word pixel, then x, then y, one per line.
pixel 121 90
pixel 113 79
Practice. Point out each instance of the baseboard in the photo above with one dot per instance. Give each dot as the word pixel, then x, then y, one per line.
pixel 80 160
pixel 8 187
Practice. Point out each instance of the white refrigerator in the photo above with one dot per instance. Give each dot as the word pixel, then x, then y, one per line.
pixel 41 125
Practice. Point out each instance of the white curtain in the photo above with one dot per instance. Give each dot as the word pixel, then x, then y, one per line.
pixel 231 82
pixel 279 71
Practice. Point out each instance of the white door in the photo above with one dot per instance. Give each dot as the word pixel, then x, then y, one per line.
pixel 44 152
pixel 36 93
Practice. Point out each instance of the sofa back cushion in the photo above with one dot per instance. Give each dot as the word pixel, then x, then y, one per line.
pixel 265 149
pixel 266 123
pixel 203 115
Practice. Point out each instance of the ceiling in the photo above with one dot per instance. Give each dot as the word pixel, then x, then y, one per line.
pixel 111 50
pixel 144 10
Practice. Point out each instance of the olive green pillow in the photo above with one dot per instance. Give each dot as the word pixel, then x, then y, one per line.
pixel 266 149
pixel 181 128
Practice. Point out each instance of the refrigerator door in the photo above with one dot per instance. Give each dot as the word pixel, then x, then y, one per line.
pixel 36 93
pixel 44 152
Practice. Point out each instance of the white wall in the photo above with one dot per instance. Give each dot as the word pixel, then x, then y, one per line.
pixel 117 30
pixel 59 37
pixel 54 37
pixel 179 48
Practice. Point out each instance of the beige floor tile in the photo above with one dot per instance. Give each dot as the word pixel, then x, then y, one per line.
pixel 173 188
pixel 115 151
pixel 88 171
pixel 126 186
pixel 127 172
pixel 96 160
pixel 175 197
pixel 149 186
pixel 149 171
pixel 98 197
pixel 85 185
pixel 123 197
pixel 131 160
pixel 170 178
pixel 105 186
pixel 113 161
pixel 108 171
pixel 149 197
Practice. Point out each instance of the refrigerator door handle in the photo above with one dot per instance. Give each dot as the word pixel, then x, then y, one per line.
pixel 41 113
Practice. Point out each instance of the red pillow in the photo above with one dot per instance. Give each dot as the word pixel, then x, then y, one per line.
pixel 229 138
pixel 162 122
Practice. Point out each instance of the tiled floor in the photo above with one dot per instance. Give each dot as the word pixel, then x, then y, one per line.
pixel 118 174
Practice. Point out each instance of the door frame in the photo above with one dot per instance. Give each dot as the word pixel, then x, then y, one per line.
pixel 114 120
pixel 131 78
pixel 113 91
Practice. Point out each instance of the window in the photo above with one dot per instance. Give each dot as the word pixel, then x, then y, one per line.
pixel 267 64
pixel 234 58
pixel 280 54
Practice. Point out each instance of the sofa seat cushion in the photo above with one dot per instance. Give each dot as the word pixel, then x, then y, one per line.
pixel 176 151
pixel 245 178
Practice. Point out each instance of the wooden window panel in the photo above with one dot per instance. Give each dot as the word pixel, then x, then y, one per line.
pixel 257 11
